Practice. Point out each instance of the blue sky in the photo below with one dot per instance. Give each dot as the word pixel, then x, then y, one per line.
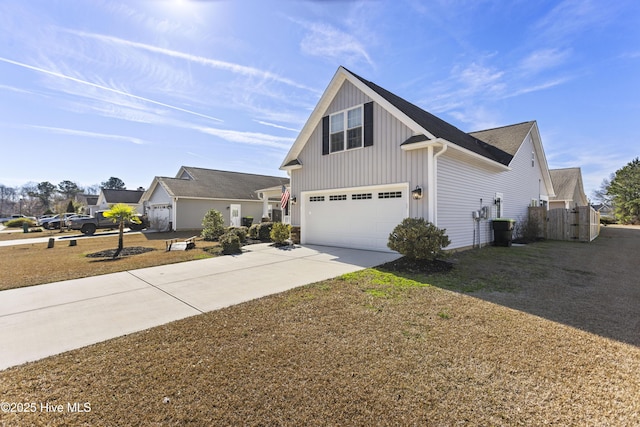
pixel 98 88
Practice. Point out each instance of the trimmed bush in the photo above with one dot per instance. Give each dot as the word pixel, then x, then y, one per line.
pixel 213 224
pixel 230 243
pixel 417 238
pixel 280 233
pixel 253 231
pixel 17 223
pixel 264 231
pixel 241 232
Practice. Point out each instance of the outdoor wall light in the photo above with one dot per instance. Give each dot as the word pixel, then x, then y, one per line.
pixel 294 200
pixel 417 193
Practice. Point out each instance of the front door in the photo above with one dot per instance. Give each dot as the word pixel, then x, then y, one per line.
pixel 235 214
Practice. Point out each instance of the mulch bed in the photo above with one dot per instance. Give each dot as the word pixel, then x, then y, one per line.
pixel 421 266
pixel 135 250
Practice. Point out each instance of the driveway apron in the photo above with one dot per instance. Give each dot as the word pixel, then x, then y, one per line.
pixel 45 320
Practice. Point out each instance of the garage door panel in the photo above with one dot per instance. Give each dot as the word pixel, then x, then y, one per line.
pixel 358 218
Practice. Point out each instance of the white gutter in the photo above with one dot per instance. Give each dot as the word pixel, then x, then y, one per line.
pixel 432 182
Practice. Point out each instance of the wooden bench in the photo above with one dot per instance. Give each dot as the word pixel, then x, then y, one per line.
pixel 177 245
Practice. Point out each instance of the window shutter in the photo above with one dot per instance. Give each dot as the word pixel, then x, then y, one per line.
pixel 325 135
pixel 368 124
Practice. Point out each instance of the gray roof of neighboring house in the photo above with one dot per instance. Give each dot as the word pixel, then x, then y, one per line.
pixel 439 128
pixel 122 196
pixel 565 182
pixel 217 184
pixel 507 138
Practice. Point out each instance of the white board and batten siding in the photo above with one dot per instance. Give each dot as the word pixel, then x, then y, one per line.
pixel 382 165
pixel 462 183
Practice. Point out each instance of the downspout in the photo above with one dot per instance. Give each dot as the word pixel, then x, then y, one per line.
pixel 174 217
pixel 433 182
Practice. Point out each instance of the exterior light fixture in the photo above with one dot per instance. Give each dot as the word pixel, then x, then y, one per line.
pixel 293 200
pixel 417 193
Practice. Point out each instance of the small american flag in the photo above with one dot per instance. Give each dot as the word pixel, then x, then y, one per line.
pixel 284 199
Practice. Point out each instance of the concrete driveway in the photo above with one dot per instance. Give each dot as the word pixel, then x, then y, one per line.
pixel 44 320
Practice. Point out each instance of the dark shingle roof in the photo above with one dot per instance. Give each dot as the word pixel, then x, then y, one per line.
pixel 122 196
pixel 507 138
pixel 217 184
pixel 439 128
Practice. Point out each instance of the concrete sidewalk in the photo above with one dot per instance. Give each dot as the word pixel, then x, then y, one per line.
pixel 44 320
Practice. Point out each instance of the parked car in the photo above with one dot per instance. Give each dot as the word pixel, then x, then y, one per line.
pixel 54 222
pixel 42 218
pixel 91 224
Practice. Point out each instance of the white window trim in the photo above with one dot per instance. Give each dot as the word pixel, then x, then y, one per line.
pixel 345 129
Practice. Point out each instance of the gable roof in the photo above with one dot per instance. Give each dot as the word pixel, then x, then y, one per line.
pixel 507 138
pixel 200 183
pixel 426 126
pixel 566 182
pixel 122 196
pixel 438 127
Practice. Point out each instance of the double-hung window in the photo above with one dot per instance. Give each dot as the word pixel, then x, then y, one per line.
pixel 346 129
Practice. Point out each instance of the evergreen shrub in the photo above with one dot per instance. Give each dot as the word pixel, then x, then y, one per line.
pixel 417 238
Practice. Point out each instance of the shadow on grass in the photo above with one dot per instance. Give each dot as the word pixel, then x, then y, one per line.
pixel 589 286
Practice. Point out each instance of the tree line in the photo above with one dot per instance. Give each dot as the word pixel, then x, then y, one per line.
pixel 44 197
pixel 621 191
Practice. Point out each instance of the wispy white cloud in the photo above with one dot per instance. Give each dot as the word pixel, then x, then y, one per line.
pixel 276 126
pixel 535 88
pixel 251 138
pixel 87 134
pixel 16 89
pixel 213 63
pixel 326 41
pixel 543 59
pixel 105 88
pixel 569 18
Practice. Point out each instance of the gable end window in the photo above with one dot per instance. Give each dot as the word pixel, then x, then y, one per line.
pixel 348 129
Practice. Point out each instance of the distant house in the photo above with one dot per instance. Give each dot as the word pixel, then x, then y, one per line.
pixel 89 202
pixel 569 189
pixel 180 203
pixel 108 198
pixel 366 159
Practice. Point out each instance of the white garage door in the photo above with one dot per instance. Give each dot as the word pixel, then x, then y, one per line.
pixel 355 218
pixel 159 217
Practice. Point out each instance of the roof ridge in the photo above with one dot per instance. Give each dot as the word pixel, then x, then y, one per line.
pixel 502 127
pixel 236 172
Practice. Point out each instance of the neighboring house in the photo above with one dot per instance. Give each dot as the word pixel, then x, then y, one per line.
pixel 569 189
pixel 89 202
pixel 108 198
pixel 181 203
pixel 366 159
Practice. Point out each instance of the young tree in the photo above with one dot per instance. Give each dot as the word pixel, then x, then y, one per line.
pixel 113 183
pixel 69 189
pixel 121 213
pixel 624 190
pixel 43 192
pixel 213 225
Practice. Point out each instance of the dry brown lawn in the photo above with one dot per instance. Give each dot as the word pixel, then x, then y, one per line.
pixel 34 264
pixel 512 336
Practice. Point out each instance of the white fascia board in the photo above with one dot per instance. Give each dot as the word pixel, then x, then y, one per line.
pixel 542 158
pixel 443 142
pixel 325 100
pixel 218 199
pixel 424 144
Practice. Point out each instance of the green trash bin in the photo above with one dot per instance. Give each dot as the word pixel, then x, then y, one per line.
pixel 25 227
pixel 503 231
